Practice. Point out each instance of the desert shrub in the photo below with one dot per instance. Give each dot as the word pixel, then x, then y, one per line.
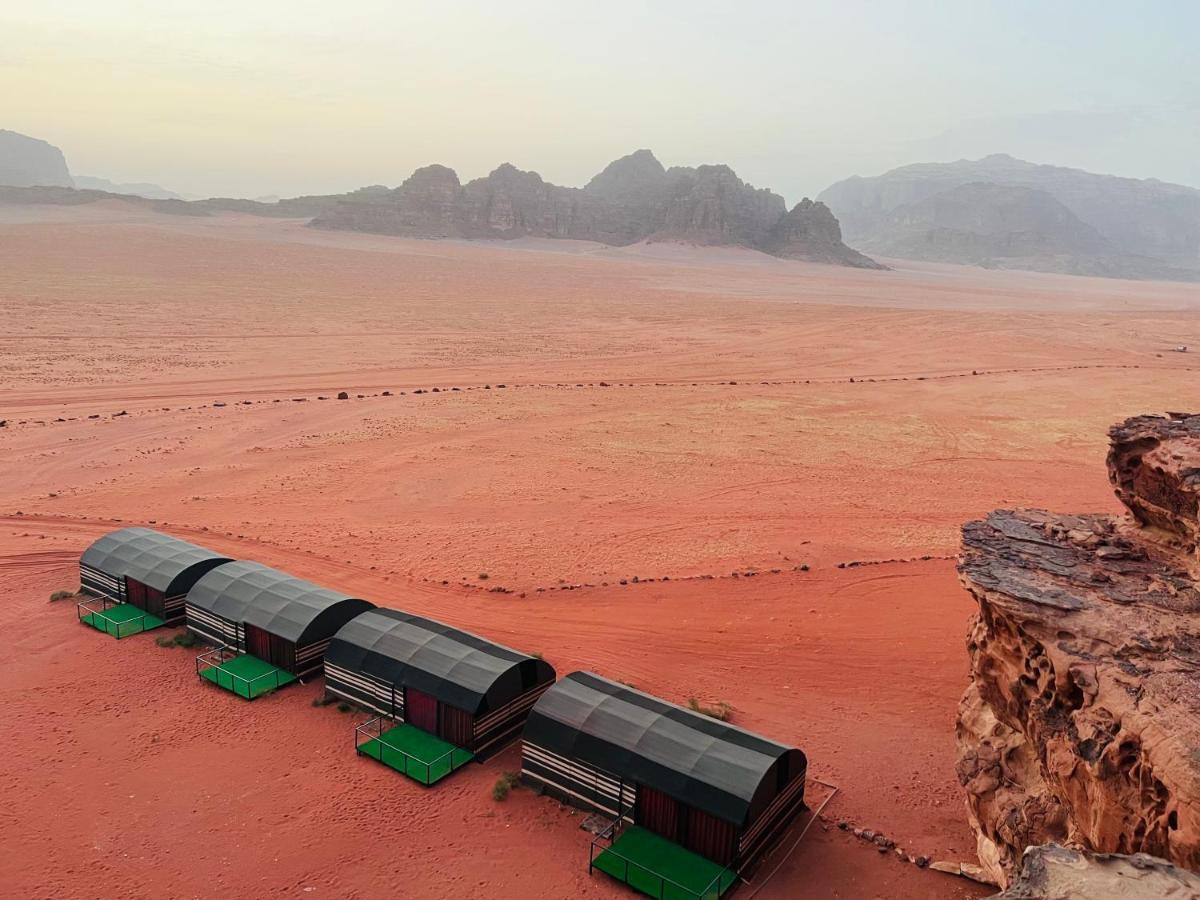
pixel 505 783
pixel 61 595
pixel 183 639
pixel 719 710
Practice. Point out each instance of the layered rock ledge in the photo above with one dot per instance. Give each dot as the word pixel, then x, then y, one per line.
pixel 1081 723
pixel 1051 872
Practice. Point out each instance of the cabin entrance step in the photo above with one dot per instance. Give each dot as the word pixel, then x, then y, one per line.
pixel 421 756
pixel 652 865
pixel 118 619
pixel 240 673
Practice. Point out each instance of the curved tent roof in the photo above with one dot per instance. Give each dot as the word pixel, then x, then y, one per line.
pixel 294 609
pixel 698 760
pixel 148 556
pixel 459 668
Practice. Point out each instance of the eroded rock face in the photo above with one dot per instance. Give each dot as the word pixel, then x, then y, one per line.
pixel 633 199
pixel 811 232
pixel 1154 465
pixel 1082 720
pixel 1051 872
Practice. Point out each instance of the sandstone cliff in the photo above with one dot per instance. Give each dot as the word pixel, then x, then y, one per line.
pixel 1154 466
pixel 1082 718
pixel 634 199
pixel 26 161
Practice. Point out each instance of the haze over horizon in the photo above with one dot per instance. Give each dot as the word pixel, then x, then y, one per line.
pixel 219 99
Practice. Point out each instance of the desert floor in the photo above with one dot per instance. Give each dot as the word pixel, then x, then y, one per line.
pixel 563 419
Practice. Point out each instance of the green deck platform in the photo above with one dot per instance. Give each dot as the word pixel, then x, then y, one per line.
pixel 421 756
pixel 661 868
pixel 248 676
pixel 121 620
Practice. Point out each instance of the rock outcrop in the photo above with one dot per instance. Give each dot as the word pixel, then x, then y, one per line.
pixel 1023 215
pixel 811 232
pixel 1051 872
pixel 1154 466
pixel 26 162
pixel 634 199
pixel 1082 720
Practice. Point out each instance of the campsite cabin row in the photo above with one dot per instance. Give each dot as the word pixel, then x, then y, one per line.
pixel 693 801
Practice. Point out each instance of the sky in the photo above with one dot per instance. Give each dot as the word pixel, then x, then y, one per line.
pixel 259 97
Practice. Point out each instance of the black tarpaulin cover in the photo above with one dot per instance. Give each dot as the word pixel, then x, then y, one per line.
pixel 294 609
pixel 457 667
pixel 148 556
pixel 711 765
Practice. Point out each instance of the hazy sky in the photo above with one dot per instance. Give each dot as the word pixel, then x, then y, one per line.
pixel 260 97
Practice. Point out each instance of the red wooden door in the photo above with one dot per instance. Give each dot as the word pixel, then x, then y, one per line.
pixel 657 812
pixel 258 642
pixel 155 602
pixel 135 593
pixel 711 837
pixel 421 710
pixel 458 727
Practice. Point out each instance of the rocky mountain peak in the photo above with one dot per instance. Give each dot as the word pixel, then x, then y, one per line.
pixel 29 162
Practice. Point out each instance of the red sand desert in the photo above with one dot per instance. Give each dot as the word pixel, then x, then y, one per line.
pixel 709 422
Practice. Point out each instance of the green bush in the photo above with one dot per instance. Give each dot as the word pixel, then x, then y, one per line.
pixel 505 783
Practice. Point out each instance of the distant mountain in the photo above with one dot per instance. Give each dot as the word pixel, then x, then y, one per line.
pixel 634 199
pixel 1003 211
pixel 136 188
pixel 26 161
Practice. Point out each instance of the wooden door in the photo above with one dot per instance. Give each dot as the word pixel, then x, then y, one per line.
pixel 657 812
pixel 421 710
pixel 135 593
pixel 458 727
pixel 258 642
pixel 283 653
pixel 711 837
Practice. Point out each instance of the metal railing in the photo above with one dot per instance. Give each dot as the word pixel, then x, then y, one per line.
pixel 656 884
pixel 368 741
pixel 231 681
pixel 118 628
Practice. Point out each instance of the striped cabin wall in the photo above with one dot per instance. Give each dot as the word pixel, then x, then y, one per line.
pixel 311 658
pixel 577 783
pixel 771 820
pixel 369 693
pixel 496 728
pixel 213 628
pixel 101 584
pixel 175 608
